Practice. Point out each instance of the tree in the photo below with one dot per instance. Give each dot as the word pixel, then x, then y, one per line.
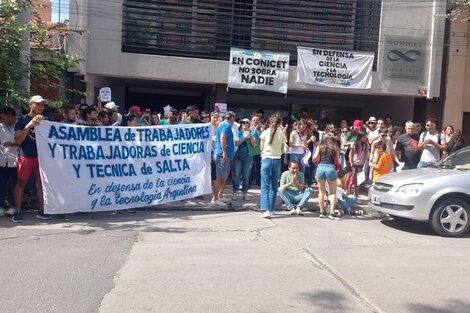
pixel 460 10
pixel 45 64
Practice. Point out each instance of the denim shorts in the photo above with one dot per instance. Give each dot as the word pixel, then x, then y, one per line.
pixel 326 172
pixel 222 169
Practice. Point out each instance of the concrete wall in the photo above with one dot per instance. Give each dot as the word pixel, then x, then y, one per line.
pixel 457 91
pixel 102 50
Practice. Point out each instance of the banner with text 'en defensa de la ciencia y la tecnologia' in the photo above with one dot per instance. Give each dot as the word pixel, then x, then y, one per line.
pixel 91 169
pixel 335 68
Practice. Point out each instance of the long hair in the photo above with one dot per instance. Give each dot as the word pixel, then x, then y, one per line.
pixel 360 146
pixel 297 127
pixel 328 145
pixel 274 122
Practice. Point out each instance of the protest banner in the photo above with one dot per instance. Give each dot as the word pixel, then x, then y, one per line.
pixel 91 169
pixel 335 68
pixel 258 70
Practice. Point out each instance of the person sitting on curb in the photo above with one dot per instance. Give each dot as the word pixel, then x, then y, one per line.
pixel 293 190
pixel 345 202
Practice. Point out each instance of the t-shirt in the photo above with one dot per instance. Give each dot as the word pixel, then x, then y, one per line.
pixel 430 153
pixel 242 150
pixel 286 178
pixel 7 154
pixel 164 122
pixel 385 162
pixel 275 149
pixel 28 147
pixel 254 150
pixel 297 141
pixel 408 147
pixel 224 129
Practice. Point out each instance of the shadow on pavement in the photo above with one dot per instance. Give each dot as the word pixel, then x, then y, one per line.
pixel 327 300
pixel 451 306
pixel 413 227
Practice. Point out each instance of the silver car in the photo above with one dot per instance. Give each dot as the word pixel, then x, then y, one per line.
pixel 439 195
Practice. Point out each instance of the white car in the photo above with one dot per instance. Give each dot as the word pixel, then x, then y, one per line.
pixel 439 195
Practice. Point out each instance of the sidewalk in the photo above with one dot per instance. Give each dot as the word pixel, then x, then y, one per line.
pixel 252 204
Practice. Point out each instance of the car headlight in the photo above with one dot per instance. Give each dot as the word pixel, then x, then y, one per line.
pixel 410 189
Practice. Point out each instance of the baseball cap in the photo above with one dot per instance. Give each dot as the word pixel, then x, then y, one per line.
pixel 372 119
pixel 111 106
pixel 357 125
pixel 245 120
pixel 37 99
pixel 135 109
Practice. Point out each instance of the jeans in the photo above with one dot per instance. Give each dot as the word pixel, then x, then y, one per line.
pixel 242 169
pixel 270 172
pixel 256 170
pixel 5 174
pixel 423 164
pixel 290 199
pixel 298 158
pixel 347 203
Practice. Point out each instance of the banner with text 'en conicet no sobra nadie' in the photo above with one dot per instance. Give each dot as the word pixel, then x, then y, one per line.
pixel 335 68
pixel 258 70
pixel 91 169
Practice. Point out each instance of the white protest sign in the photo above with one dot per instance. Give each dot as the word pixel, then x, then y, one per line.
pixel 105 94
pixel 258 70
pixel 110 168
pixel 335 68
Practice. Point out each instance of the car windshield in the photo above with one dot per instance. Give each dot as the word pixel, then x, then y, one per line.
pixel 459 159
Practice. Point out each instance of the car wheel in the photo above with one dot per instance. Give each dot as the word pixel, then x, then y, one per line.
pixel 451 218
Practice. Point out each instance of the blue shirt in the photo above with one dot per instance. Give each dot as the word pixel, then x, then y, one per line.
pixel 28 147
pixel 224 129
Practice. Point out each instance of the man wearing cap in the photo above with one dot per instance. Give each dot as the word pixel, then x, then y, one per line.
pixel 223 155
pixel 28 156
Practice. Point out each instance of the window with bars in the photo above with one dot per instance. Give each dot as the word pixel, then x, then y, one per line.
pixel 208 28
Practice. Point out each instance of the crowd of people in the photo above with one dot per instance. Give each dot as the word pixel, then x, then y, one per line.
pixel 337 159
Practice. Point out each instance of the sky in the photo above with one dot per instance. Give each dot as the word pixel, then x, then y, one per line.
pixel 64 10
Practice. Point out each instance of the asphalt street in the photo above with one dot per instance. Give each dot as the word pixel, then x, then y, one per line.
pixel 231 261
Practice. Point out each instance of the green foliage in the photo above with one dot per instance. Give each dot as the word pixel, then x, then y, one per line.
pixel 47 61
pixel 460 10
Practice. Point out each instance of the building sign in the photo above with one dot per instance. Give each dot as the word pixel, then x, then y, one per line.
pixel 404 58
pixel 111 168
pixel 258 70
pixel 335 68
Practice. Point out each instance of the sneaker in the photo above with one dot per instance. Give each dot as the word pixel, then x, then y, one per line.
pixel 245 196
pixel 323 215
pixel 11 211
pixel 333 217
pixel 2 212
pixel 218 203
pixel 131 211
pixel 234 196
pixel 265 214
pixel 17 218
pixel 298 211
pixel 40 215
pixel 292 211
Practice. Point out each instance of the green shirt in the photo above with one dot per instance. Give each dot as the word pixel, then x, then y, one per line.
pixel 286 178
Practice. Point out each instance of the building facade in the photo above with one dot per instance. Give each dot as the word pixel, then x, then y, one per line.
pixel 153 53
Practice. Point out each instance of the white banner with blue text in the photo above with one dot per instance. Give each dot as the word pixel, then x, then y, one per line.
pixel 258 70
pixel 88 169
pixel 334 68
